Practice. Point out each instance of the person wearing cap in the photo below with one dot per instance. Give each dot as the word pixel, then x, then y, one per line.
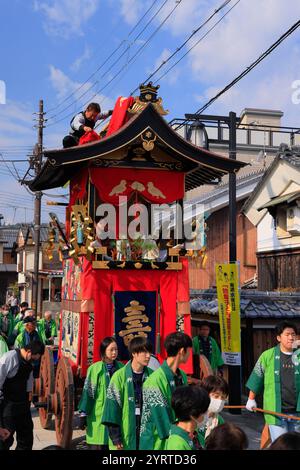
pixel 28 334
pixel 16 384
pixel 205 344
pixel 47 328
pixel 20 326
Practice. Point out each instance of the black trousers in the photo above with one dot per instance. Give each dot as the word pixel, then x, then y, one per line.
pixel 70 141
pixel 20 424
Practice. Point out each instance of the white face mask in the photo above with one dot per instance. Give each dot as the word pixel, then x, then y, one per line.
pixel 216 405
pixel 201 426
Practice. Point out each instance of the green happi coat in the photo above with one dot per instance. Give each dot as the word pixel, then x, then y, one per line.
pixel 93 399
pixel 158 416
pixel 119 408
pixel 3 346
pixel 179 439
pixel 265 378
pixel 41 327
pixel 21 339
pixel 215 358
pixel 202 434
pixel 10 324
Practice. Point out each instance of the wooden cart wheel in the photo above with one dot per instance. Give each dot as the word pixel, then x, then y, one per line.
pixel 64 403
pixel 205 367
pixel 201 367
pixel 46 387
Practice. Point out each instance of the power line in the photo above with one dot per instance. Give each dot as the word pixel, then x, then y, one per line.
pixel 178 49
pixel 247 69
pixel 106 60
pixel 196 43
pixel 129 61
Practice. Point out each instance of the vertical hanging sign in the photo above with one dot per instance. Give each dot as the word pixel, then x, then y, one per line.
pixel 227 278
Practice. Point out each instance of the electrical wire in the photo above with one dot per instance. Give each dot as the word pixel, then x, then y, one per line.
pixel 247 69
pixel 196 43
pixel 178 49
pixel 106 60
pixel 129 61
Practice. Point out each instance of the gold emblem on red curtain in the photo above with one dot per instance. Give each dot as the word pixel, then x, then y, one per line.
pixel 135 320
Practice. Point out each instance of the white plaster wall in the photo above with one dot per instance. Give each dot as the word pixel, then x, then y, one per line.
pixel 267 239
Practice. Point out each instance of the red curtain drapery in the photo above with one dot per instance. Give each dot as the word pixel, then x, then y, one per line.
pixel 120 116
pixel 100 285
pixel 155 186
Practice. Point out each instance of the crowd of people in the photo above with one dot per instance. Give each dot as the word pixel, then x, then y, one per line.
pixel 146 405
pixel 23 338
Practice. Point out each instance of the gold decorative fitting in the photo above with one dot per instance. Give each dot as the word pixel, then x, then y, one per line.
pixel 148 139
pixel 138 265
pixel 148 94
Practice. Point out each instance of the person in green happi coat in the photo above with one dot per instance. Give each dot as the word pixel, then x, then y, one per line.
pixel 124 400
pixel 94 393
pixel 205 344
pixel 190 404
pixel 276 375
pixel 157 415
pixel 218 390
pixel 6 323
pixel 3 346
pixel 47 328
pixel 20 316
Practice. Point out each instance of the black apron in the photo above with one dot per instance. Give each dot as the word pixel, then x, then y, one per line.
pixel 16 397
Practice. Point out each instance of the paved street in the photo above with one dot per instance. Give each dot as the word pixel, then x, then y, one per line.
pixel 251 423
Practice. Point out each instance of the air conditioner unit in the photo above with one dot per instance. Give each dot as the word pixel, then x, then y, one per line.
pixel 293 220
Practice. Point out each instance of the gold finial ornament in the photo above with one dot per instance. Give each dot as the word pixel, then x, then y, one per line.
pixel 148 94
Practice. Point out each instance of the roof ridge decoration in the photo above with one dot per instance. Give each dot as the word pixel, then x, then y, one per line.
pixel 148 94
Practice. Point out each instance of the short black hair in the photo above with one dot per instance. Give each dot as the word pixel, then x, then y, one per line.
pixel 215 383
pixel 204 323
pixel 189 401
pixel 175 341
pixel 227 436
pixel 94 107
pixel 280 327
pixel 35 347
pixel 139 344
pixel 24 304
pixel 287 441
pixel 105 343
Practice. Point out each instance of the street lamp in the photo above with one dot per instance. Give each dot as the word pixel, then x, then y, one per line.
pixel 197 134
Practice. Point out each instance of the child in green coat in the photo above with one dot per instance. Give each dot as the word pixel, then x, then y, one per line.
pixel 190 404
pixel 124 401
pixel 94 393
pixel 218 391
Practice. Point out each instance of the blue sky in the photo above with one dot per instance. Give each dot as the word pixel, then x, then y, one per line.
pixel 50 47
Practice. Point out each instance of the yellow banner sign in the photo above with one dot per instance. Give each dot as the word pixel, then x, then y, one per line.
pixel 227 277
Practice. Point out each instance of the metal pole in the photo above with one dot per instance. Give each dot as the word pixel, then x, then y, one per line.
pixel 37 210
pixel 234 372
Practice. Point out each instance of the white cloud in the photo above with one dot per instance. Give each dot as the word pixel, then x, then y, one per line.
pixel 66 18
pixel 170 78
pixel 81 59
pixel 64 86
pixel 131 10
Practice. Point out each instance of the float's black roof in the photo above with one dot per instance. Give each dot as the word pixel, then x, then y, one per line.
pixel 200 165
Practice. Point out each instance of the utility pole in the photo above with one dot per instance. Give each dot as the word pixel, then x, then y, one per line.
pixel 37 207
pixel 234 372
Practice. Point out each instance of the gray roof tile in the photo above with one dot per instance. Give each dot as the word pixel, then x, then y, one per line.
pixel 254 304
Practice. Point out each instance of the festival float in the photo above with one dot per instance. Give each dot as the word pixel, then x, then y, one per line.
pixel 120 285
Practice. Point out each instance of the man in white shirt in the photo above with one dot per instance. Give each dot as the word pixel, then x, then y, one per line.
pixel 16 384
